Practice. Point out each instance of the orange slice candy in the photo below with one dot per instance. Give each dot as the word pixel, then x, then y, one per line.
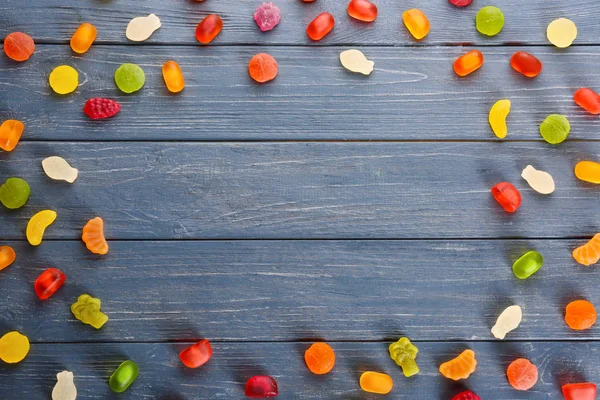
pixel 7 256
pixel 589 253
pixel 460 367
pixel 93 236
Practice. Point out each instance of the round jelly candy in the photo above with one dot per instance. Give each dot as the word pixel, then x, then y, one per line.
pixel 555 128
pixel 64 79
pixel 468 63
pixel 580 315
pixel 416 22
pixel 267 16
pixel 209 28
pixel 123 376
pixel 561 32
pixel 19 46
pixel 48 283
pixel 489 21
pixel 13 347
pixel 507 196
pixel 261 386
pixel 262 68
pixel 130 78
pixel 522 374
pixel 320 26
pixel 84 36
pixel 528 264
pixel 7 256
pixel 14 193
pixel 588 100
pixel 355 61
pixel 526 64
pixel 58 168
pixel 319 358
pixel 376 382
pixel 588 171
pixel 141 28
pixel 197 354
pixel 173 77
pixel 460 3
pixel 37 226
pixel 497 117
pixel 10 134
pixel 362 10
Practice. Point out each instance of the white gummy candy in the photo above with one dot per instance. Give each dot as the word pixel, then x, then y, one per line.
pixel 65 388
pixel 57 168
pixel 507 321
pixel 141 28
pixel 355 61
pixel 540 181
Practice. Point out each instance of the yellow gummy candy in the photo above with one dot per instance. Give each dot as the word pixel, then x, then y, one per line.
pixel 497 117
pixel 87 310
pixel 37 226
pixel 561 32
pixel 13 347
pixel 64 79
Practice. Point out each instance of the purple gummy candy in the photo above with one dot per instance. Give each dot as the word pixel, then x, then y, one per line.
pixel 267 16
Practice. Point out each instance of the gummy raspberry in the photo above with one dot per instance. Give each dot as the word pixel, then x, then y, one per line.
pixel 466 395
pixel 267 16
pixel 98 108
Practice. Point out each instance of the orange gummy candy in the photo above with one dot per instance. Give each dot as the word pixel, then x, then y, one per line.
pixel 580 315
pixel 460 367
pixel 262 68
pixel 93 236
pixel 468 62
pixel 589 253
pixel 522 374
pixel 19 46
pixel 416 22
pixel 84 36
pixel 320 26
pixel 7 256
pixel 10 133
pixel 319 358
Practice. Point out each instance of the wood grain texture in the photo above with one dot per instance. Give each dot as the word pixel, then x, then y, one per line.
pixel 412 95
pixel 525 22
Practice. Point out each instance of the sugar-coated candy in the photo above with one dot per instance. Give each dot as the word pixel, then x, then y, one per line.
pixel 173 76
pixel 555 128
pixel 540 181
pixel 588 171
pixel 197 354
pixel 93 236
pixel 64 79
pixel 7 256
pixel 508 320
pixel 460 3
pixel 528 264
pixel 362 10
pixel 84 36
pixel 320 26
pixel 589 253
pixel 13 347
pixel 355 61
pixel 507 196
pixel 376 382
pixel 19 46
pixel 261 387
pixel 65 387
pixel 37 226
pixel 416 22
pixel 460 367
pixel 561 32
pixel 267 16
pixel 10 134
pixel 489 21
pixel 497 117
pixel 58 168
pixel 588 100
pixel 87 310
pixel 466 395
pixel 319 358
pixel 48 283
pixel 209 28
pixel 100 108
pixel 522 374
pixel 141 28
pixel 14 193
pixel 123 376
pixel 580 315
pixel 404 353
pixel 468 63
pixel 526 64
pixel 263 68
pixel 130 78
pixel 579 391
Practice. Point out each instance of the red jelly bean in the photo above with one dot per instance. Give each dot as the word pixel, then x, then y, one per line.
pixel 48 283
pixel 197 354
pixel 579 391
pixel 507 195
pixel 466 395
pixel 588 99
pixel 261 386
pixel 209 28
pixel 320 26
pixel 362 10
pixel 19 46
pixel 460 3
pixel 526 64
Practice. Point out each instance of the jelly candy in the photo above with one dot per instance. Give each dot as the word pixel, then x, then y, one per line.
pixel 267 16
pixel 588 100
pixel 209 28
pixel 416 22
pixel 580 315
pixel 466 395
pixel 579 391
pixel 522 374
pixel 123 376
pixel 261 386
pixel 65 387
pixel 130 78
pixel 37 226
pixel 48 283
pixel 588 171
pixel 58 168
pixel 262 68
pixel 460 367
pixel 362 10
pixel 197 354
pixel 10 133
pixel 404 353
pixel 555 128
pixel 507 196
pixel 93 236
pixel 19 46
pixel 526 64
pixel 141 28
pixel 320 26
pixel 561 32
pixel 589 253
pixel 7 256
pixel 540 181
pixel 173 77
pixel 508 320
pixel 319 358
pixel 460 3
pixel 468 63
pixel 497 117
pixel 84 36
pixel 87 310
pixel 528 264
pixel 355 61
pixel 13 347
pixel 489 21
pixel 376 382
pixel 99 108
pixel 14 193
pixel 64 79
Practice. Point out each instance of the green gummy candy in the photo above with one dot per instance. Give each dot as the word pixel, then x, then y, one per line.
pixel 489 21
pixel 14 193
pixel 528 264
pixel 130 78
pixel 123 376
pixel 403 352
pixel 555 128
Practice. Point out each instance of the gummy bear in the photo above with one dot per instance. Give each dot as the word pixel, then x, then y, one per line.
pixel 48 283
pixel 579 391
pixel 19 46
pixel 267 16
pixel 526 64
pixel 209 28
pixel 319 358
pixel 588 100
pixel 93 236
pixel 561 32
pixel 197 354
pixel 508 320
pixel 37 226
pixel 376 382
pixel 10 133
pixel 460 367
pixel 468 63
pixel 173 77
pixel 540 181
pixel 84 36
pixel 123 376
pixel 555 129
pixel 261 386
pixel 466 395
pixel 65 388
pixel 7 256
pixel 528 264
pixel 87 310
pixel 58 168
pixel 416 22
pixel 588 171
pixel 355 61
pixel 99 108
pixel 14 193
pixel 522 374
pixel 489 21
pixel 497 117
pixel 129 78
pixel 460 3
pixel 507 196
pixel 580 315
pixel 589 253
pixel 320 26
pixel 362 10
pixel 263 68
pixel 13 347
pixel 404 353
pixel 141 28
pixel 64 79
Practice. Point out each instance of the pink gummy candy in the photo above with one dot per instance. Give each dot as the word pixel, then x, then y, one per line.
pixel 267 16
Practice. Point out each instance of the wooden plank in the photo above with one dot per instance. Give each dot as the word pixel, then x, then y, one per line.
pixel 525 22
pixel 412 95
pixel 291 290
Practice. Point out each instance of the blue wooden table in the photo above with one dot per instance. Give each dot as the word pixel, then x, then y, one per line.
pixel 321 206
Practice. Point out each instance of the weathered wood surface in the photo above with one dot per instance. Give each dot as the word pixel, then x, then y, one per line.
pixel 412 95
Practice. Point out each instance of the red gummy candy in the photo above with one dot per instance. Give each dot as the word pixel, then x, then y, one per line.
pixel 507 195
pixel 261 386
pixel 320 26
pixel 197 354
pixel 98 108
pixel 267 16
pixel 588 100
pixel 466 395
pixel 362 10
pixel 460 3
pixel 526 64
pixel 579 391
pixel 48 283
